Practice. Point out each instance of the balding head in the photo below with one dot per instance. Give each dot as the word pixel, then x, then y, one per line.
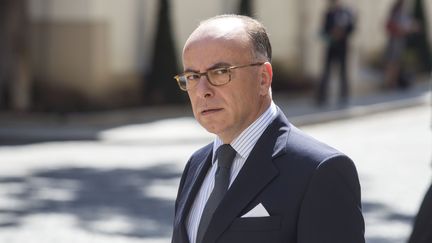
pixel 240 28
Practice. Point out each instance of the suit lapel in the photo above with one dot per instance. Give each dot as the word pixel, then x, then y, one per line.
pixel 256 173
pixel 200 166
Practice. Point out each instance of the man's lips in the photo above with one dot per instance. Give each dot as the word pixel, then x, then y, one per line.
pixel 210 111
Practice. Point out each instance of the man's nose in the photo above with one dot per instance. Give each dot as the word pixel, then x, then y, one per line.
pixel 204 88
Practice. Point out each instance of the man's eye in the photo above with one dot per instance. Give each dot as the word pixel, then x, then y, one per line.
pixel 192 76
pixel 220 71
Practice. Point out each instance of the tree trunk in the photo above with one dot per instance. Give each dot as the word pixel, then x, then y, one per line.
pixel 160 86
pixel 14 55
pixel 246 8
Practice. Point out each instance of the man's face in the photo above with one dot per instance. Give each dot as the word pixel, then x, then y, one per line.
pixel 228 109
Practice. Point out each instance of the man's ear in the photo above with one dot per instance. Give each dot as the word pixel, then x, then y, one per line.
pixel 266 78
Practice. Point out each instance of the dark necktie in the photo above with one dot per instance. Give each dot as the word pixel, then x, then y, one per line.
pixel 225 155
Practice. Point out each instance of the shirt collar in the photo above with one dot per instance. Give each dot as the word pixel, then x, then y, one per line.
pixel 244 143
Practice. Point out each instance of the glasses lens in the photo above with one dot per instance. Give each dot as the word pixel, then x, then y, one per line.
pixel 181 80
pixel 187 81
pixel 219 76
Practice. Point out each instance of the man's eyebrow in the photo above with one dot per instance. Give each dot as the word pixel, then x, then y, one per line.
pixel 219 65
pixel 189 70
pixel 214 66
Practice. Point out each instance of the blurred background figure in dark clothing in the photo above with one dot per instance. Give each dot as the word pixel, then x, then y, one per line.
pixel 399 26
pixel 338 26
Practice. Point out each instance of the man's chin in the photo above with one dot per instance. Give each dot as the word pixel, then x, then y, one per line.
pixel 211 127
pixel 212 130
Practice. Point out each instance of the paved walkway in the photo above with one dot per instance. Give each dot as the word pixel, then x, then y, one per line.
pixel 112 177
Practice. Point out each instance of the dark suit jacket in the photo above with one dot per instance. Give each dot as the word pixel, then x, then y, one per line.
pixel 310 190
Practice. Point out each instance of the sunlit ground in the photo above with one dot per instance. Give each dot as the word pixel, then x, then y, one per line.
pixel 121 187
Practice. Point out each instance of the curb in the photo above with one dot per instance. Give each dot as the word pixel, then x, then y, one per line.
pixel 360 110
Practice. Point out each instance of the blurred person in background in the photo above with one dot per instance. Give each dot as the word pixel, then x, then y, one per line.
pixel 338 25
pixel 261 179
pixel 399 26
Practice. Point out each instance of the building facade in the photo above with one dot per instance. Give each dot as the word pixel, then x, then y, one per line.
pixel 95 53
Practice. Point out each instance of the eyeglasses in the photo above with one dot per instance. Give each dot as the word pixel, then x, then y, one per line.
pixel 216 76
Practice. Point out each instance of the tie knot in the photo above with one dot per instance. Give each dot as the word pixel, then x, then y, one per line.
pixel 225 155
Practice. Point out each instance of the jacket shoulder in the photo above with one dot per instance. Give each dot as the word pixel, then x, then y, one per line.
pixel 308 149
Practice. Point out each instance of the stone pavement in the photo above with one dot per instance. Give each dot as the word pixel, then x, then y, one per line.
pixel 112 177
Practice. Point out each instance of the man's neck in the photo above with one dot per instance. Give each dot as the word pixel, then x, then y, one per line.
pixel 228 138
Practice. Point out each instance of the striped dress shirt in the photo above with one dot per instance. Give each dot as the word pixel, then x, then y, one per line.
pixel 243 145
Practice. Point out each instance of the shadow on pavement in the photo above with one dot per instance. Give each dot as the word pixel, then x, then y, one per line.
pixel 384 215
pixel 113 202
pixel 385 212
pixel 30 128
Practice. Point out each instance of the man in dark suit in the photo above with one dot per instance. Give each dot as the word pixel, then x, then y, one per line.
pixel 338 25
pixel 279 185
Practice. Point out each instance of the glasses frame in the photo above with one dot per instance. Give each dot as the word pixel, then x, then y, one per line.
pixel 179 76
